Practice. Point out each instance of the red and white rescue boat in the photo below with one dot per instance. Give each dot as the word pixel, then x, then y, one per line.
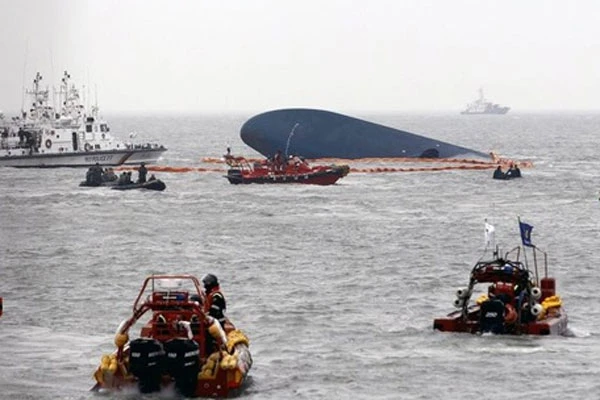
pixel 294 170
pixel 517 300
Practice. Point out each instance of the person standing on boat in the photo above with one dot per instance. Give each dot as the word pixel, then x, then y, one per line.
pixel 88 176
pixel 96 174
pixel 215 305
pixel 142 172
pixel 278 161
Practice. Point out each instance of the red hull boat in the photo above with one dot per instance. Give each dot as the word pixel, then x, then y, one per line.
pixel 295 170
pixel 179 345
pixel 517 301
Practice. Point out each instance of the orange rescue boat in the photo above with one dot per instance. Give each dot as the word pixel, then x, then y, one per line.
pixel 293 170
pixel 179 345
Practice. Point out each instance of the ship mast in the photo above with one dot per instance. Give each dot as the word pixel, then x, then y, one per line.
pixel 40 97
pixel 62 103
pixel 71 106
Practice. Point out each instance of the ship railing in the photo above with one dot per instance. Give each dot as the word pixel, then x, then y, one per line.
pixel 237 162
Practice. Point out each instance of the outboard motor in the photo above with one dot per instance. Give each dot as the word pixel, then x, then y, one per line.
pixel 146 362
pixel 492 316
pixel 183 364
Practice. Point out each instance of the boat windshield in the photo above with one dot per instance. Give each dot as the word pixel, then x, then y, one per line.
pixel 169 284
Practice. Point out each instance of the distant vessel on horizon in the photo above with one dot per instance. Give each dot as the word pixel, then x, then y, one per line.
pixel 483 106
pixel 65 135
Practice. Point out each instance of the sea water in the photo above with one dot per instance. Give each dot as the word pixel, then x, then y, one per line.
pixel 336 286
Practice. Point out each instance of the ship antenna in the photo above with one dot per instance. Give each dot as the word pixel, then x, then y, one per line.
pixel 24 72
pixel 95 109
pixel 287 145
pixel 53 88
pixel 87 97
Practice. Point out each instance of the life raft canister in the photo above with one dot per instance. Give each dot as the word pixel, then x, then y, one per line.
pixel 48 143
pixel 87 147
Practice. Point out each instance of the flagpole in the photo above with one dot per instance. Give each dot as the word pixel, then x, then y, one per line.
pixel 490 238
pixel 522 245
pixel 537 277
pixel 526 237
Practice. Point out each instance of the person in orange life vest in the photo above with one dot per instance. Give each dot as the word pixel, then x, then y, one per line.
pixel 510 314
pixel 215 304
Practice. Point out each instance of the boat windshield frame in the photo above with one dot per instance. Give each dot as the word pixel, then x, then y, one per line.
pixel 152 283
pixel 499 270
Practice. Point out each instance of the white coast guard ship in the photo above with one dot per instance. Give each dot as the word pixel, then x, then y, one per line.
pixel 483 106
pixel 69 136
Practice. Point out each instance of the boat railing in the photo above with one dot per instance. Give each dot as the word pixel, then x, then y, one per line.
pixel 537 250
pixel 516 250
pixel 7 145
pixel 238 162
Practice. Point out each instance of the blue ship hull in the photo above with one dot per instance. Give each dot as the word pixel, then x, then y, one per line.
pixel 323 134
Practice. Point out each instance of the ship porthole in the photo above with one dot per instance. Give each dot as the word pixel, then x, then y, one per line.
pixel 87 147
pixel 48 143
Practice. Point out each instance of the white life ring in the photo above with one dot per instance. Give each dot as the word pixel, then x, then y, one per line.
pixel 87 147
pixel 48 143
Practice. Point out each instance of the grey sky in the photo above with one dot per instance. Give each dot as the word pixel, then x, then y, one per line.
pixel 251 56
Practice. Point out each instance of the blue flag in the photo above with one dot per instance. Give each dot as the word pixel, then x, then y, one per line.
pixel 526 234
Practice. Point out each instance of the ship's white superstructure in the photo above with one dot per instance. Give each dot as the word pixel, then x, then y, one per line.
pixel 483 106
pixel 69 135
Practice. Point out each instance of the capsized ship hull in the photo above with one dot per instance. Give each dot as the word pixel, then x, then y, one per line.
pixel 315 133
